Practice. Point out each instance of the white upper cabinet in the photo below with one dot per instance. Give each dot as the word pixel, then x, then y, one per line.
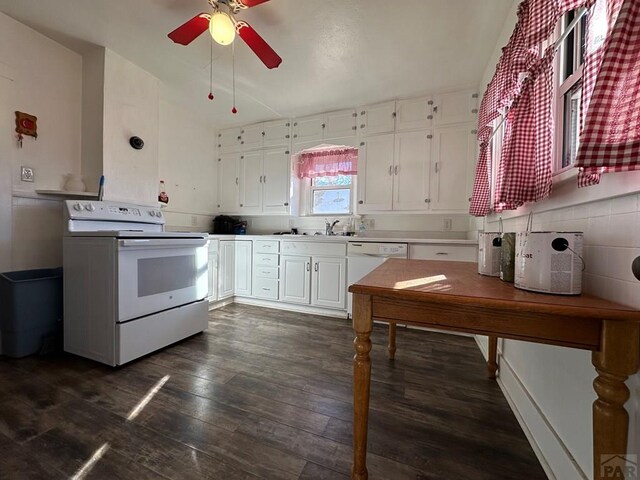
pixel 454 152
pixel 456 107
pixel 275 181
pixel 414 113
pixel 377 119
pixel 340 124
pixel 375 174
pixel 328 126
pixel 411 171
pixel 251 136
pixel 308 129
pixel 229 140
pixel 228 182
pixel 277 133
pixel 265 135
pixel 250 182
pixel 264 182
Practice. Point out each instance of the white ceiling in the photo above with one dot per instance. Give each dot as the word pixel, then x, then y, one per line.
pixel 336 53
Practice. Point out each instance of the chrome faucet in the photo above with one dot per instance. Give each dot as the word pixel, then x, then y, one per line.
pixel 328 227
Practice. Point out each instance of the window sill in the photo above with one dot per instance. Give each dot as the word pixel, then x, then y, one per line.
pixel 565 175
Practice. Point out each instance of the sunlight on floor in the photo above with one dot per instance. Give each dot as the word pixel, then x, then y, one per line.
pixel 147 398
pixel 88 465
pixel 418 282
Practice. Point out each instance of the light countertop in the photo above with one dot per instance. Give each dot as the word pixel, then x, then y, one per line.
pixel 342 238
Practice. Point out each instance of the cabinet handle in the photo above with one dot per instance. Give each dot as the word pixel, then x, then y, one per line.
pixel 315 267
pixel 236 180
pixel 266 289
pixel 362 144
pixel 295 135
pixel 286 204
pixel 396 169
pixel 324 125
pixel 265 273
pixel 242 205
pixel 264 179
pixel 390 169
pixel 308 267
pixel 265 259
pixel 427 200
pixel 437 168
pixel 260 178
pixel 430 102
pixel 442 253
pixel 354 114
pixel 360 202
pixel 435 109
pixel 394 114
pixel 287 136
pixel 474 110
pixel 354 128
pixel 295 124
pixel 363 112
pixel 429 117
pixel 362 125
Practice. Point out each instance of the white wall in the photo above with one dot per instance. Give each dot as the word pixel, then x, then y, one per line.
pixel 187 164
pixel 550 388
pixel 131 107
pixel 48 84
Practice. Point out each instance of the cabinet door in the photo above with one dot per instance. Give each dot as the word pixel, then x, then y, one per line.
pixel 212 294
pixel 328 282
pixel 414 113
pixel 377 119
pixel 457 107
pixel 295 279
pixel 453 161
pixel 308 129
pixel 243 260
pixel 226 269
pixel 411 171
pixel 275 181
pixel 250 187
pixel 277 133
pixel 375 174
pixel 228 167
pixel 229 140
pixel 251 137
pixel 340 124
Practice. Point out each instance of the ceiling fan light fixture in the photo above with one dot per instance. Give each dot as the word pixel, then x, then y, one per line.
pixel 222 28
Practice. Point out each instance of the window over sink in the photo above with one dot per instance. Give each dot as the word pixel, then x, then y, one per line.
pixel 331 195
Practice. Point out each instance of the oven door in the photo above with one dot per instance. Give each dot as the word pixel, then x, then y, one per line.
pixel 157 274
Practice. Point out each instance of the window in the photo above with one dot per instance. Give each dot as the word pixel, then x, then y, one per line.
pixel 568 94
pixel 331 195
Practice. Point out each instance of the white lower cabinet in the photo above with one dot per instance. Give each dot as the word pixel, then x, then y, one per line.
pixel 226 269
pixel 212 293
pixel 295 282
pixel 328 282
pixel 313 280
pixel 243 260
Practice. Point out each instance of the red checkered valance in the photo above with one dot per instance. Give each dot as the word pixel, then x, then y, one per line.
pixel 610 139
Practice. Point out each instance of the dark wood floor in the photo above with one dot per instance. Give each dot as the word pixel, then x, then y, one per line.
pixel 261 394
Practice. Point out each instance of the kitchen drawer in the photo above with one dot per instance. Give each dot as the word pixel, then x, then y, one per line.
pixel 315 248
pixel 267 272
pixel 266 288
pixel 266 246
pixel 456 253
pixel 265 260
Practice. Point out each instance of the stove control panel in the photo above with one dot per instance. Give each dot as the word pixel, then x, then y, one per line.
pixel 112 211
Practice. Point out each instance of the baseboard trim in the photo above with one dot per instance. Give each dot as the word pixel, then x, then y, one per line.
pixel 531 417
pixel 290 307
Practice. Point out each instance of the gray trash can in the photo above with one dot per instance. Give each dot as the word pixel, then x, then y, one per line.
pixel 30 311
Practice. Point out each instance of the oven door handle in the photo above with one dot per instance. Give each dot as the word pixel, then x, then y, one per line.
pixel 163 242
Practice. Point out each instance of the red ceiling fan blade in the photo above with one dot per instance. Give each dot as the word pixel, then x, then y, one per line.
pixel 249 3
pixel 189 31
pixel 256 43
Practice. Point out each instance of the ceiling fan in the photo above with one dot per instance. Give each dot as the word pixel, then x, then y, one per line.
pixel 223 27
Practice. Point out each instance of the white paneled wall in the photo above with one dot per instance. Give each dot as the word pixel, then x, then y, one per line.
pixel 550 387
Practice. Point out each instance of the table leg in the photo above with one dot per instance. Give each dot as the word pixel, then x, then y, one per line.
pixel 362 326
pixel 492 362
pixel 392 340
pixel 616 360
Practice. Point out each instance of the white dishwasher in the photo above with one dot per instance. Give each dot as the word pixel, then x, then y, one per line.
pixel 364 257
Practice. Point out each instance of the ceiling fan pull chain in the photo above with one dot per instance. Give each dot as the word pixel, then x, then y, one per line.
pixel 210 96
pixel 234 110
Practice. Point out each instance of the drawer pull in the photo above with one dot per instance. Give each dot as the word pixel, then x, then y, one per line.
pixel 266 289
pixel 442 253
pixel 266 260
pixel 265 273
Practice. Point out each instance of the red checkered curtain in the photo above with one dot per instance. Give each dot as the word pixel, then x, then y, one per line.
pixel 610 139
pixel 524 173
pixel 481 198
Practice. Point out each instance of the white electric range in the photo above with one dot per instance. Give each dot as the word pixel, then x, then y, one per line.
pixel 130 287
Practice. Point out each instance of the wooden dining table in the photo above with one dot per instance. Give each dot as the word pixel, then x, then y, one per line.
pixel 452 296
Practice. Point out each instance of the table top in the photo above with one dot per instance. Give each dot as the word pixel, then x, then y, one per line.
pixel 459 283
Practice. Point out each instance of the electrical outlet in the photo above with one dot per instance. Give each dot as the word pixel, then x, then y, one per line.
pixel 194 221
pixel 447 224
pixel 27 174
